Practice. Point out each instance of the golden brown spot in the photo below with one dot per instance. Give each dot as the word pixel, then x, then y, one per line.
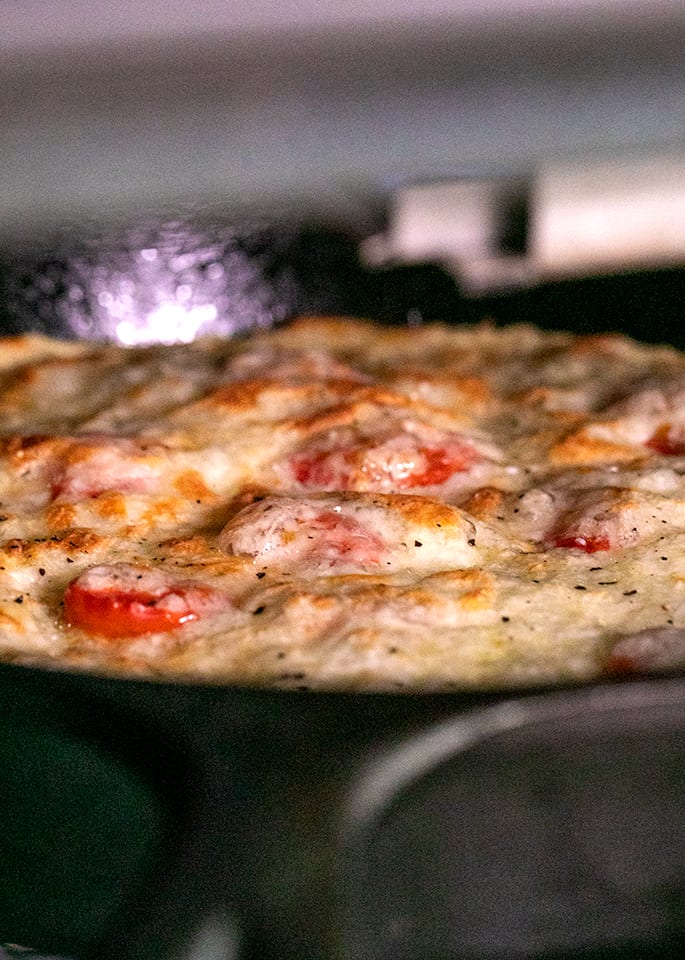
pixel 336 334
pixel 70 541
pixel 198 555
pixel 539 570
pixel 611 344
pixel 424 511
pixel 484 502
pixel 111 505
pixel 623 501
pixel 481 598
pixel 81 539
pixel 28 375
pixel 337 416
pixel 380 397
pixel 475 389
pixel 162 510
pixel 536 396
pixel 454 579
pixel 245 497
pixel 59 515
pixel 251 395
pixel 78 452
pixel 10 623
pixel 191 484
pixel 312 613
pixel 185 546
pixel 476 587
pixel 361 404
pixel 19 447
pixel 18 548
pixel 352 582
pixel 375 591
pixel 582 447
pixel 366 639
pixel 316 601
pixel 566 418
pixel 419 597
pixel 36 348
pixel 237 396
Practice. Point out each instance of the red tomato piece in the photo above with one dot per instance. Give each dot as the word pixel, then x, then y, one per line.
pixel 123 600
pixel 344 538
pixel 286 532
pixel 398 463
pixel 92 468
pixel 654 650
pixel 621 666
pixel 439 463
pixel 588 544
pixel 667 441
pixel 315 469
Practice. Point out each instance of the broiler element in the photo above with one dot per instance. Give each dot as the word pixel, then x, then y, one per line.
pixel 578 219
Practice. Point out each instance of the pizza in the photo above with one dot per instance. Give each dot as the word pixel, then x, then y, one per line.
pixel 338 505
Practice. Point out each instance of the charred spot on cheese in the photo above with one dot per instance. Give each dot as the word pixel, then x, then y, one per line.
pixel 77 540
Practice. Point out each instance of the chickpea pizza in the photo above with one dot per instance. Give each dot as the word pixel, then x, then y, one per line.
pixel 338 505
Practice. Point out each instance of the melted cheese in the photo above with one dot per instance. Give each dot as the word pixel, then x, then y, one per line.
pixel 427 509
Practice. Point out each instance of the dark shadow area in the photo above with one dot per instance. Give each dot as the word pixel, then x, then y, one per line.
pixel 186 277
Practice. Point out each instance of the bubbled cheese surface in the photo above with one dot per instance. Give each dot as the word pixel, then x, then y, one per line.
pixel 414 509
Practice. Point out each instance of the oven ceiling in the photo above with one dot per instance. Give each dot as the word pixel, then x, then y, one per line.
pixel 322 109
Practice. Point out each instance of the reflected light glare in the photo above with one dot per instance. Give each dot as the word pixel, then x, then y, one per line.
pixel 169 323
pixel 167 282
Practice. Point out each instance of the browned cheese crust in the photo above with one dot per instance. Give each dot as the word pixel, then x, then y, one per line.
pixel 339 505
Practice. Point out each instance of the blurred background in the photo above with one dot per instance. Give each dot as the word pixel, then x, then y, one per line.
pixel 175 169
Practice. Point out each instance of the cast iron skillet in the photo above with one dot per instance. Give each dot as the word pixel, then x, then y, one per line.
pixel 166 821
